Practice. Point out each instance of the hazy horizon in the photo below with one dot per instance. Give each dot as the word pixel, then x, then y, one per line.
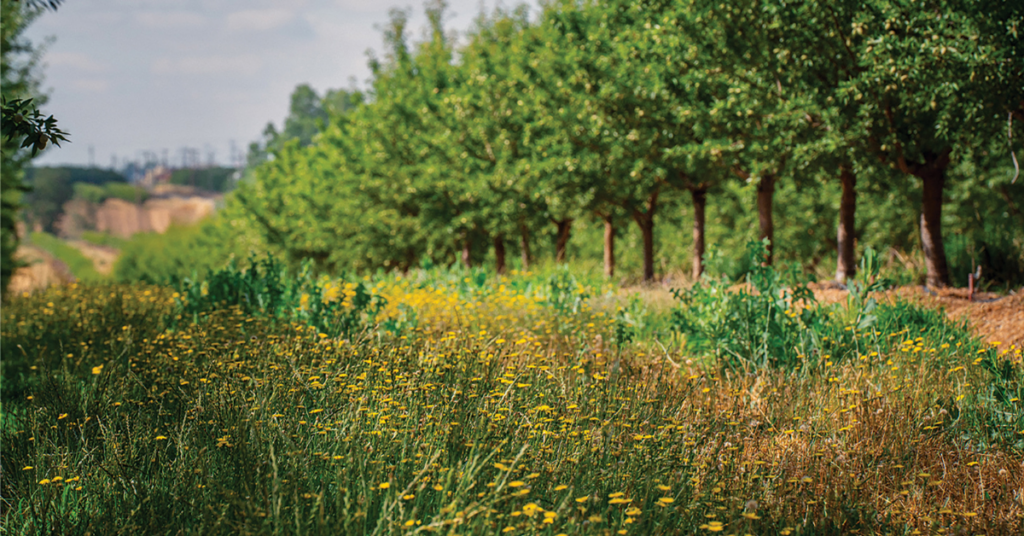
pixel 128 76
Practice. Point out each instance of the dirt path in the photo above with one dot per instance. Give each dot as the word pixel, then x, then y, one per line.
pixel 102 257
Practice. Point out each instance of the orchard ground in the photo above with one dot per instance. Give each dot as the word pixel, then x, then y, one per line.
pixel 463 403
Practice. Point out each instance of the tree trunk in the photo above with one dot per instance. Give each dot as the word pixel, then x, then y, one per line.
pixel 700 198
pixel 499 253
pixel 846 267
pixel 933 175
pixel 467 260
pixel 646 222
pixel 765 193
pixel 564 226
pixel 524 246
pixel 609 247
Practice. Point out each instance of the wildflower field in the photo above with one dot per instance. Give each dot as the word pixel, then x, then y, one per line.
pixel 457 402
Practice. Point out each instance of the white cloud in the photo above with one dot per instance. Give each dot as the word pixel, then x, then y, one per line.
pixel 95 85
pixel 366 6
pixel 171 19
pixel 354 33
pixel 76 60
pixel 258 19
pixel 245 65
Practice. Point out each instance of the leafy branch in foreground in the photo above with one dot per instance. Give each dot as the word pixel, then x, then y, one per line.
pixel 21 118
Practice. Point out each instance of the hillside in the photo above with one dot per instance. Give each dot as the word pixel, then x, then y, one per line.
pixel 103 211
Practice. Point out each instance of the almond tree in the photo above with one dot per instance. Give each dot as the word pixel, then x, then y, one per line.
pixel 405 165
pixel 612 119
pixel 936 74
pixel 360 183
pixel 911 85
pixel 811 49
pixel 562 172
pixel 490 126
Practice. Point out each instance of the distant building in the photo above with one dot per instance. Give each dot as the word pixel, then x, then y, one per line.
pixel 154 176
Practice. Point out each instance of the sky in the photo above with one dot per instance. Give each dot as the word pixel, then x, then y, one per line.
pixel 128 76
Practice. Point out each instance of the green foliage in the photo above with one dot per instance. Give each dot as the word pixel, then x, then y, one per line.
pixel 98 193
pixel 213 179
pixel 81 267
pixel 997 416
pixel 19 82
pixel 985 216
pixel 89 192
pixel 566 294
pixel 307 115
pixel 10 203
pixel 260 289
pixel 860 305
pixel 759 327
pixel 632 321
pixel 21 119
pixel 179 253
pixel 125 192
pixel 266 288
pixel 995 249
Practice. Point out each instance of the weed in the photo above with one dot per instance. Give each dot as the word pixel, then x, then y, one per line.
pixel 764 324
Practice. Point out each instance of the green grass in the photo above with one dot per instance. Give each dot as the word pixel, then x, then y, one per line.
pixel 81 267
pixel 103 239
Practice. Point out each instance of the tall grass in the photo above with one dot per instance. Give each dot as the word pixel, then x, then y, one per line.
pixel 472 405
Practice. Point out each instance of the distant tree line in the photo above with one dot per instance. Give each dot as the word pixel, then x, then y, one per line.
pixel 210 179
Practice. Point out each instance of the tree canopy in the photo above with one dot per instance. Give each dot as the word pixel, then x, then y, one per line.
pixel 532 128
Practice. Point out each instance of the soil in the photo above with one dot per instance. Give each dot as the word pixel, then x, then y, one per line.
pixel 123 219
pixel 102 257
pixel 40 271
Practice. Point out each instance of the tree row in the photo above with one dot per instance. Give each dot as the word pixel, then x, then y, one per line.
pixel 604 109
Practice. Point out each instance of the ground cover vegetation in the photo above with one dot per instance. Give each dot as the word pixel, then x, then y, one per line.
pixel 452 401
